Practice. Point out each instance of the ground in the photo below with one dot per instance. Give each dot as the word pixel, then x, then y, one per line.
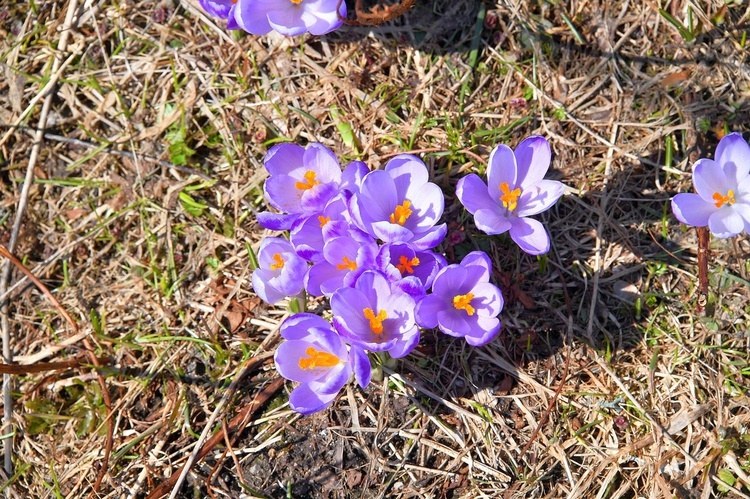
pixel 608 379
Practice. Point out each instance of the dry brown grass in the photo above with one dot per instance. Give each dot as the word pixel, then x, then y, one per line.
pixel 608 383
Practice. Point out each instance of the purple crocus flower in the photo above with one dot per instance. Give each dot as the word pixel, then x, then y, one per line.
pixel 516 190
pixel 344 259
pixel 290 17
pixel 301 183
pixel 309 234
pixel 222 9
pixel 722 186
pixel 281 271
pixel 375 316
pixel 463 302
pixel 316 357
pixel 411 270
pixel 399 205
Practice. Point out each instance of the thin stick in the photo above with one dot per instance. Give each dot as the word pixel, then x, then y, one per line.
pixel 89 351
pixel 22 202
pixel 235 424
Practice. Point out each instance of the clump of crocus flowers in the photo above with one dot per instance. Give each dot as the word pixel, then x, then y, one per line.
pixel 366 241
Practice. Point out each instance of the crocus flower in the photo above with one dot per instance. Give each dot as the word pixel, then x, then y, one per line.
pixel 281 271
pixel 399 205
pixel 463 302
pixel 344 259
pixel 516 191
pixel 316 357
pixel 411 270
pixel 290 17
pixel 309 234
pixel 223 9
pixel 722 186
pixel 301 182
pixel 375 316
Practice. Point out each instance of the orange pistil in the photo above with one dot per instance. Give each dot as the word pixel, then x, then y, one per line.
pixel 722 200
pixel 309 183
pixel 376 321
pixel 347 264
pixel 317 358
pixel 323 220
pixel 509 198
pixel 296 2
pixel 279 262
pixel 406 266
pixel 401 213
pixel 463 302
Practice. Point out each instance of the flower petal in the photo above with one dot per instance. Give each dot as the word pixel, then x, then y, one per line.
pixel 486 330
pixel 305 401
pixel 409 174
pixel 533 156
pixel 529 235
pixel 501 168
pixel 361 366
pixel 725 223
pixel 733 154
pixel 493 221
pixel 472 192
pixel 691 209
pixel 540 197
pixel 427 310
pixel 709 178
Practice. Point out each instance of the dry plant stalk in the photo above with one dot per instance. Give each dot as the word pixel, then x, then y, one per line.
pixel 89 352
pixel 377 14
pixel 704 252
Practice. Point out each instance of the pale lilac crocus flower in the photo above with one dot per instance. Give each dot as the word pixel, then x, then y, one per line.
pixel 375 316
pixel 309 234
pixel 399 205
pixel 317 358
pixel 223 9
pixel 411 270
pixel 722 190
pixel 516 190
pixel 281 271
pixel 463 302
pixel 344 259
pixel 290 17
pixel 302 181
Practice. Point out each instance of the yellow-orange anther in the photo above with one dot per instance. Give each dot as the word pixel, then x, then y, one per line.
pixel 463 302
pixel 346 264
pixel 406 266
pixel 323 220
pixel 309 182
pixel 317 358
pixel 376 321
pixel 401 213
pixel 279 262
pixel 509 198
pixel 296 2
pixel 722 200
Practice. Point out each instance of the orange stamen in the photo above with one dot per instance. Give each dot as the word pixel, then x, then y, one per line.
pixel 376 321
pixel 406 266
pixel 309 183
pixel 347 264
pixel 401 213
pixel 509 198
pixel 317 358
pixel 323 220
pixel 463 302
pixel 722 200
pixel 279 262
